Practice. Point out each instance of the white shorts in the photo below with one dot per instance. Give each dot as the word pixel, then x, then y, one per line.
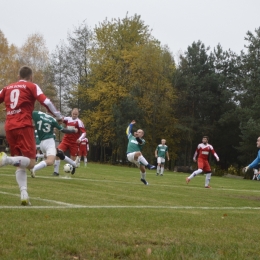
pixel 48 147
pixel 131 158
pixel 160 160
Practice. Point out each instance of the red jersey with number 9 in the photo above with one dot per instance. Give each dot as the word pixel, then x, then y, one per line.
pixel 19 98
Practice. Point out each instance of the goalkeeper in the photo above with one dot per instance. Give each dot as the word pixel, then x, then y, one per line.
pixel 255 163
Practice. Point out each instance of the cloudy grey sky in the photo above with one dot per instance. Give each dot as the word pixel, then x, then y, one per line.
pixel 176 23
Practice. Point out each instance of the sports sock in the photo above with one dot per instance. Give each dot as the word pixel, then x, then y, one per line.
pixel 18 161
pixel 207 179
pixel 158 169
pixel 143 175
pixel 57 166
pixel 70 161
pixel 195 173
pixel 39 166
pixel 142 160
pixel 162 170
pixel 21 178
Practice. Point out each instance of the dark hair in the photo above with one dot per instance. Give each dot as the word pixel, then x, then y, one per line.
pixel 25 72
pixel 205 136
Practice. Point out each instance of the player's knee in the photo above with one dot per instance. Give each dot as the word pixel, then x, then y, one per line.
pixel 60 154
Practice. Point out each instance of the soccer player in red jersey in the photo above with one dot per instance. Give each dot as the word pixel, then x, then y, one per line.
pixel 202 152
pixel 19 99
pixel 70 142
pixel 83 151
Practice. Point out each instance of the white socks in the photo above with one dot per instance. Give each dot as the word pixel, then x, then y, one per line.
pixel 143 175
pixel 57 166
pixel 195 173
pixel 39 166
pixel 158 169
pixel 162 170
pixel 70 161
pixel 18 161
pixel 21 178
pixel 207 179
pixel 142 160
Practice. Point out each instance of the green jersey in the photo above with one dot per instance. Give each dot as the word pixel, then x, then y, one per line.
pixel 44 124
pixel 161 150
pixel 133 144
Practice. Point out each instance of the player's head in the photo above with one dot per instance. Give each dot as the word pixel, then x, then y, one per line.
pixel 74 113
pixel 139 133
pixel 258 142
pixel 163 141
pixel 25 73
pixel 205 139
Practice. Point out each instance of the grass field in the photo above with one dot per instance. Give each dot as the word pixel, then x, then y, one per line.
pixel 105 212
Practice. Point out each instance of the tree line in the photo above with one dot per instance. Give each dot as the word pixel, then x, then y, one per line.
pixel 118 72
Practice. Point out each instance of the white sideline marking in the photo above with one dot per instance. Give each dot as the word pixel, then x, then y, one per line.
pixel 129 207
pixel 63 205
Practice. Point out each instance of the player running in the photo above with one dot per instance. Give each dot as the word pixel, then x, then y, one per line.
pixel 45 125
pixel 19 98
pixel 202 153
pixel 134 147
pixel 70 142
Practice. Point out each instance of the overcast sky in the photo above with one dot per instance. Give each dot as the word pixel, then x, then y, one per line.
pixel 176 23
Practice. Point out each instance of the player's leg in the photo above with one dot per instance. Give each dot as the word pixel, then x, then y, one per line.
pixel 207 170
pixel 162 166
pixel 84 154
pixel 62 147
pixel 139 157
pixel 143 174
pixel 158 166
pixel 22 142
pixel 195 173
pixel 48 148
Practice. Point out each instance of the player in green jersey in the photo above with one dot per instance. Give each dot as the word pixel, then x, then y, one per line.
pixel 160 152
pixel 134 155
pixel 45 124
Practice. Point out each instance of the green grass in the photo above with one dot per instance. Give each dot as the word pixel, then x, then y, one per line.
pixel 105 212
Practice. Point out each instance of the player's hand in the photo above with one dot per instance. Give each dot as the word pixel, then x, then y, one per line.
pixel 245 169
pixel 194 160
pixel 76 130
pixel 78 141
pixel 133 122
pixel 168 159
pixel 217 159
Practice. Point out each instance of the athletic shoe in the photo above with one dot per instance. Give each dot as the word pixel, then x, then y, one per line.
pixel 208 187
pixel 187 180
pixel 25 198
pixel 3 157
pixel 73 170
pixel 55 174
pixel 32 173
pixel 161 174
pixel 157 174
pixel 144 181
pixel 150 167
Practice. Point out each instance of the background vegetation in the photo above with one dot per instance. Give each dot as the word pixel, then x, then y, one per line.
pixel 118 71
